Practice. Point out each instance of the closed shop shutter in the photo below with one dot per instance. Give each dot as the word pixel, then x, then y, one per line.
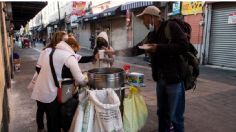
pixel 222 50
pixel 84 35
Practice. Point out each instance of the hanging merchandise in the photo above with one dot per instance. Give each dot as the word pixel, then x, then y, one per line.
pixel 107 116
pixel 135 111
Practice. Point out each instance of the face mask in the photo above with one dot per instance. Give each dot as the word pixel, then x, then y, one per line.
pixel 151 27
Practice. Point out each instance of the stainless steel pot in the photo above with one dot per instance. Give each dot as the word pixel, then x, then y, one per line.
pixel 106 78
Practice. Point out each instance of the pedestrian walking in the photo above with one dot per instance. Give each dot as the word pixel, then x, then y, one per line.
pixel 33 42
pixel 168 68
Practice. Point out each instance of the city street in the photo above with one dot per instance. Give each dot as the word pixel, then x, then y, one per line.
pixel 210 108
pixel 200 34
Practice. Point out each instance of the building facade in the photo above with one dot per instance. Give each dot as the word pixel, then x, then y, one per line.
pixel 220 34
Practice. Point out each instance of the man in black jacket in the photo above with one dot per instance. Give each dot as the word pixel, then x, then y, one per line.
pixel 168 68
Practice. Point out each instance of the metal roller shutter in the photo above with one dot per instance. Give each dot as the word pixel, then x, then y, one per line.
pixel 222 50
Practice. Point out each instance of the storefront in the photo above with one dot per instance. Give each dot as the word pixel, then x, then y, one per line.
pixel 137 29
pixel 222 37
pixel 193 14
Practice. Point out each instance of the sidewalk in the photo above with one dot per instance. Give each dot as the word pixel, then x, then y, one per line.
pixel 210 108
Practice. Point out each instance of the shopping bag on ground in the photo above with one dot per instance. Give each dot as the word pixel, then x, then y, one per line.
pixel 107 116
pixel 135 111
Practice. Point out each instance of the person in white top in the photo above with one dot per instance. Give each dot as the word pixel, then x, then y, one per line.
pixel 45 91
pixel 102 43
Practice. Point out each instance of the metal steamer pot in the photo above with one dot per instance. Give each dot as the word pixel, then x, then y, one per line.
pixel 106 78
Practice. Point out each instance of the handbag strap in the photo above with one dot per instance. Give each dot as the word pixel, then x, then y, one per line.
pixel 52 68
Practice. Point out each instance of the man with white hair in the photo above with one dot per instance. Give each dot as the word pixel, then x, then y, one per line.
pixel 168 68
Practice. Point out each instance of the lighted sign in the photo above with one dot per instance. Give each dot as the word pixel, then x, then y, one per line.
pixel 176 8
pixel 78 8
pixel 192 7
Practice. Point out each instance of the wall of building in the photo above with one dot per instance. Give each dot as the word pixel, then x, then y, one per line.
pixel 5 70
pixel 2 77
pixel 84 35
pixel 194 21
pixel 119 34
pixel 196 36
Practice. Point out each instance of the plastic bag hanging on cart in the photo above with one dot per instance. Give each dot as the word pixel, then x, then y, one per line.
pixel 84 116
pixel 135 111
pixel 107 113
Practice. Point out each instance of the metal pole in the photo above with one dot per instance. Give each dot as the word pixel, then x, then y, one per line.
pixel 59 24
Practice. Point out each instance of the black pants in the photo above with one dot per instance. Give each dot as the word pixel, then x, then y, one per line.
pixel 52 114
pixel 40 114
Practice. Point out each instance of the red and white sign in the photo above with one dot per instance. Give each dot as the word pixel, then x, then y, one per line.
pixel 232 18
pixel 78 8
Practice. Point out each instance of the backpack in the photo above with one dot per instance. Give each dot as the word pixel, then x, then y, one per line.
pixel 189 58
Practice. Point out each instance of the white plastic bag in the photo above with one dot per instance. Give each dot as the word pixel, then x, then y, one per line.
pixel 84 116
pixel 88 118
pixel 107 116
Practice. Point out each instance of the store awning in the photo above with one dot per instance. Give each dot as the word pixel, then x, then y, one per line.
pixel 110 11
pixel 40 28
pixel 53 23
pixel 91 17
pixel 132 5
pixel 24 11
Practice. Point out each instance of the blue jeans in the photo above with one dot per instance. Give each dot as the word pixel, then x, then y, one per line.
pixel 171 104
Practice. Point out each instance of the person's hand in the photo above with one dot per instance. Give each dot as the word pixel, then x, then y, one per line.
pixel 109 51
pixel 152 48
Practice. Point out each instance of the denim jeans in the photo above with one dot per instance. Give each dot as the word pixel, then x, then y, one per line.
pixel 171 104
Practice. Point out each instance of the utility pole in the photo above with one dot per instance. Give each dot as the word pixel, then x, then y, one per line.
pixel 59 24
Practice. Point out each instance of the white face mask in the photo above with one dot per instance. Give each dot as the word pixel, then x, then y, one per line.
pixel 151 27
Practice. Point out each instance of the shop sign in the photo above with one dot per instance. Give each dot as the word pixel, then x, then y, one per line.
pixel 189 8
pixel 78 8
pixel 176 8
pixel 232 18
pixel 101 7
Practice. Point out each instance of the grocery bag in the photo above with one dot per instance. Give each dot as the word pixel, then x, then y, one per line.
pixel 135 111
pixel 107 116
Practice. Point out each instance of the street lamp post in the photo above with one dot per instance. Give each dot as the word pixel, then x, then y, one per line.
pixel 59 24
